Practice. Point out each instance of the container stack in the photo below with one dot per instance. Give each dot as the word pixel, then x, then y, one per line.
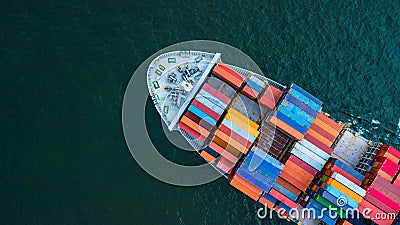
pixel 270 97
pixel 233 138
pixel 296 112
pixel 382 191
pixel 253 87
pixel 323 132
pixel 337 188
pixel 202 116
pixel 257 172
pixel 272 140
pixel 296 176
pixel 227 74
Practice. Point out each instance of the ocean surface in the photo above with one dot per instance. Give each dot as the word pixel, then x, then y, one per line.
pixel 65 65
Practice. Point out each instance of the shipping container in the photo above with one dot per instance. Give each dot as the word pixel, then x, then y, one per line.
pixel 253 195
pixel 235 135
pixel 262 184
pixel 310 154
pixel 242 124
pixel 267 181
pixel 209 111
pixel 389 202
pixel 270 97
pixel 234 113
pixel 284 183
pixel 301 105
pixel 214 99
pixel 216 94
pixel 321 208
pixel 374 211
pixel 388 155
pixel 253 85
pixel 227 74
pixel 305 100
pixel 231 141
pixel 249 92
pixel 202 115
pixel 314 149
pixel 273 175
pixel 323 132
pixel 266 202
pixel 335 168
pixel 267 158
pixel 225 165
pixel 338 194
pixel 333 199
pixel 330 205
pixel 345 190
pixel 326 127
pixel 211 152
pixel 258 163
pixel 191 131
pixel 298 111
pixel 285 191
pixel 294 116
pixel 198 120
pixel 238 130
pixel 349 184
pixel 285 200
pixel 391 150
pixel 319 144
pixel 287 128
pixel 292 168
pixel 207 156
pixel 306 181
pixel 319 137
pixel 209 104
pixel 386 188
pixel 293 181
pixel 199 129
pixel 303 165
pixel 305 93
pixel 330 122
pixel 378 203
pixel 310 161
pixel 347 168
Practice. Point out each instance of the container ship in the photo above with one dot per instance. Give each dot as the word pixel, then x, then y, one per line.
pixel 274 143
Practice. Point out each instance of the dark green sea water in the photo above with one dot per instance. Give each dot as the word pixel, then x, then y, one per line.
pixel 64 67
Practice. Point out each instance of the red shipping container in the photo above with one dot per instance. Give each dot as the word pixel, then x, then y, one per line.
pixel 322 132
pixel 192 132
pixel 387 185
pixel 198 120
pixel 319 144
pixel 391 150
pixel 293 181
pixel 249 92
pixel 216 93
pixel 234 135
pixel 375 211
pixel 376 202
pixel 335 168
pixel 303 165
pixel 206 110
pixel 389 202
pixel 266 202
pixel 228 75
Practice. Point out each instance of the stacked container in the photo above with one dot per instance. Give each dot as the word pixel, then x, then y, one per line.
pixel 296 112
pixel 227 74
pixel 323 132
pixel 272 140
pixel 260 170
pixel 334 189
pixel 202 116
pixel 253 87
pixel 383 193
pixel 270 97
pixel 232 139
pixel 349 147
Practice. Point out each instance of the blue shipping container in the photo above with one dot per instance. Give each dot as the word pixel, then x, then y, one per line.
pixel 338 194
pixel 263 186
pixel 209 104
pixel 290 122
pixel 295 117
pixel 263 176
pixel 304 115
pixel 256 162
pixel 308 95
pixel 268 158
pixel 254 86
pixel 305 100
pixel 285 191
pixel 301 105
pixel 348 169
pixel 202 115
pixel 211 152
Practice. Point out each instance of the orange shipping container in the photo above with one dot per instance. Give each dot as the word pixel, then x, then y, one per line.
pixel 319 137
pixel 207 156
pixel 293 181
pixel 291 131
pixel 255 196
pixel 231 141
pixel 329 121
pixel 288 186
pixel 326 127
pixel 266 202
pixel 291 166
pixel 300 175
pixel 201 130
pixel 227 74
